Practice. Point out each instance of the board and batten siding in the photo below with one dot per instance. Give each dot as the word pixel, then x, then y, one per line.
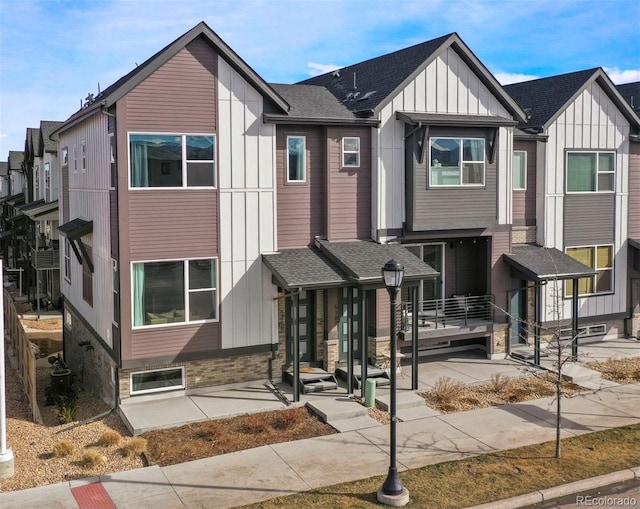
pixel 301 205
pixel 524 202
pixel 180 97
pixel 247 213
pixel 591 122
pixel 86 196
pixel 348 199
pixel 445 85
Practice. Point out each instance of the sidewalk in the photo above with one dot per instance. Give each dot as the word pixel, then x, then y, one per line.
pixel 265 472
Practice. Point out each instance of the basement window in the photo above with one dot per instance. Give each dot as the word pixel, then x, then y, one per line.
pixel 158 380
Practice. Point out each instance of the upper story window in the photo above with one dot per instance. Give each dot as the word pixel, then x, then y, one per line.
pixel 590 172
pixel 65 156
pixel 83 155
pixel 174 291
pixel 519 170
pixel 47 181
pixel 75 158
pixel 456 162
pixel 351 152
pixel 172 160
pixel 36 181
pixel 599 258
pixel 297 159
pixel 67 260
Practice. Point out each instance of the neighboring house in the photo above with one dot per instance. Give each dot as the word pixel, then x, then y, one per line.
pixel 4 179
pixel 581 128
pixel 12 235
pixel 236 229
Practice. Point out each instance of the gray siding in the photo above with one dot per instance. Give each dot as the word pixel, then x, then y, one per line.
pixel 589 219
pixel 65 194
pixel 524 202
pixel 348 189
pixel 449 208
pixel 301 205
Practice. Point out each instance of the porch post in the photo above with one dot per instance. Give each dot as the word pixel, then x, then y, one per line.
pixel 536 336
pixel 350 340
pixel 364 347
pixel 295 310
pixel 414 339
pixel 574 331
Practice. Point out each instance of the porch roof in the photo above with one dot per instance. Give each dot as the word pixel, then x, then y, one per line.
pixel 443 119
pixel 330 264
pixel 305 267
pixel 539 263
pixel 5 234
pixel 76 228
pixel 45 211
pixel 635 243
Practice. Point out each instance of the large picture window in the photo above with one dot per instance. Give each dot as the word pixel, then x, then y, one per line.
pixel 456 162
pixel 172 160
pixel 296 159
pixel 519 170
pixel 176 291
pixel 590 172
pixel 599 258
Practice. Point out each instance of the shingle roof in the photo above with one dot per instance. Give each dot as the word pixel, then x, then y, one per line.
pixel 379 76
pixel 16 158
pixel 47 127
pixel 631 92
pixel 312 101
pixel 544 263
pixel 4 169
pixel 543 98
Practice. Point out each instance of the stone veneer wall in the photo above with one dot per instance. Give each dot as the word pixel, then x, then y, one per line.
pixel 523 234
pixel 90 364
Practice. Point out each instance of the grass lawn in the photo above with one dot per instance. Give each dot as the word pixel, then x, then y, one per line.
pixel 489 477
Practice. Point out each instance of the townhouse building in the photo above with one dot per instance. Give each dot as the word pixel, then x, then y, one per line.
pixel 219 229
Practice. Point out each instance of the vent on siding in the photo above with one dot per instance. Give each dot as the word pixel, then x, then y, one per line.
pixel 589 330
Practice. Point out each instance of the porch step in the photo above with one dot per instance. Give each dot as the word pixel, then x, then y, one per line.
pixel 577 374
pixel 380 375
pixel 354 423
pixel 404 400
pixel 335 409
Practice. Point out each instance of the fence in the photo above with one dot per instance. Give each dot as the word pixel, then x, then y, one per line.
pixel 19 348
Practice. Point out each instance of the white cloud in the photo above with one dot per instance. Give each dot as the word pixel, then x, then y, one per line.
pixel 315 69
pixel 505 78
pixel 619 77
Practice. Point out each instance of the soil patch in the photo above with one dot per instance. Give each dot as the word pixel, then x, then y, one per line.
pixel 53 324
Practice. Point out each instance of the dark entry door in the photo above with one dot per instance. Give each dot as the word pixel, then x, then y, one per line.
pixel 306 320
pixel 343 304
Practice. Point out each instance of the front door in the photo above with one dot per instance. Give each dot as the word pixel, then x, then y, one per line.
pixel 433 255
pixel 343 305
pixel 305 327
pixel 518 313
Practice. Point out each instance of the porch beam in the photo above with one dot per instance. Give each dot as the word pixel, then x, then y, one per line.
pixel 574 321
pixel 536 336
pixel 295 309
pixel 414 339
pixel 364 347
pixel 350 340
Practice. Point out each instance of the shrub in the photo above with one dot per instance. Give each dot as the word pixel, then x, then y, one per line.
pixel 92 459
pixel 134 447
pixel 498 382
pixel 109 438
pixel 62 448
pixel 67 406
pixel 446 389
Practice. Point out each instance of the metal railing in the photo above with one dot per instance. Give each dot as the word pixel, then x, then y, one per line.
pixel 45 259
pixel 459 311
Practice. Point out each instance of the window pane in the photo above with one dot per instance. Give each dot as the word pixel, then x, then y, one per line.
pixel 445 176
pixel 156 380
pixel 603 281
pixel 445 152
pixel 605 162
pixel 584 255
pixel 351 159
pixel 473 150
pixel 296 160
pixel 351 144
pixel 519 170
pixel 200 174
pixel 604 259
pixel 156 160
pixel 200 148
pixel 581 170
pixel 202 305
pixel 202 274
pixel 472 173
pixel 158 293
pixel 605 182
pixel 585 285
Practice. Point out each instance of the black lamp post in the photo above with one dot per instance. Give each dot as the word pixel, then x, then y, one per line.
pixel 392 492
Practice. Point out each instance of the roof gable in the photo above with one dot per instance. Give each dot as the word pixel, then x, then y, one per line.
pixel 371 84
pixel 16 159
pixel 47 128
pixel 545 99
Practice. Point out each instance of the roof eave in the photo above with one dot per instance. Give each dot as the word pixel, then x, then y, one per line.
pixel 283 120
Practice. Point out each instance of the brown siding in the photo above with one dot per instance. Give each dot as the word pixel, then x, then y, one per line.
pixel 524 202
pixel 178 97
pixel 634 187
pixel 454 207
pixel 348 189
pixel 301 206
pixel 166 224
pixel 65 194
pixel 500 276
pixel 168 341
pixel 113 222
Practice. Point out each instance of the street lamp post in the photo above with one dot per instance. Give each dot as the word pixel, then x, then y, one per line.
pixel 392 491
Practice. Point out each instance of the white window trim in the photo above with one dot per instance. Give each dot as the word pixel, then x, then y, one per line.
pixel 304 179
pixel 597 152
pixel 66 256
pixel 64 156
pixel 83 155
pixel 461 184
pixel 186 294
pixel 184 161
pixel 159 389
pixel 357 152
pixel 525 170
pixel 75 158
pixel 609 269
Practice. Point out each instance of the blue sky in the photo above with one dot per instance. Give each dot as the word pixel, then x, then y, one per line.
pixel 54 52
